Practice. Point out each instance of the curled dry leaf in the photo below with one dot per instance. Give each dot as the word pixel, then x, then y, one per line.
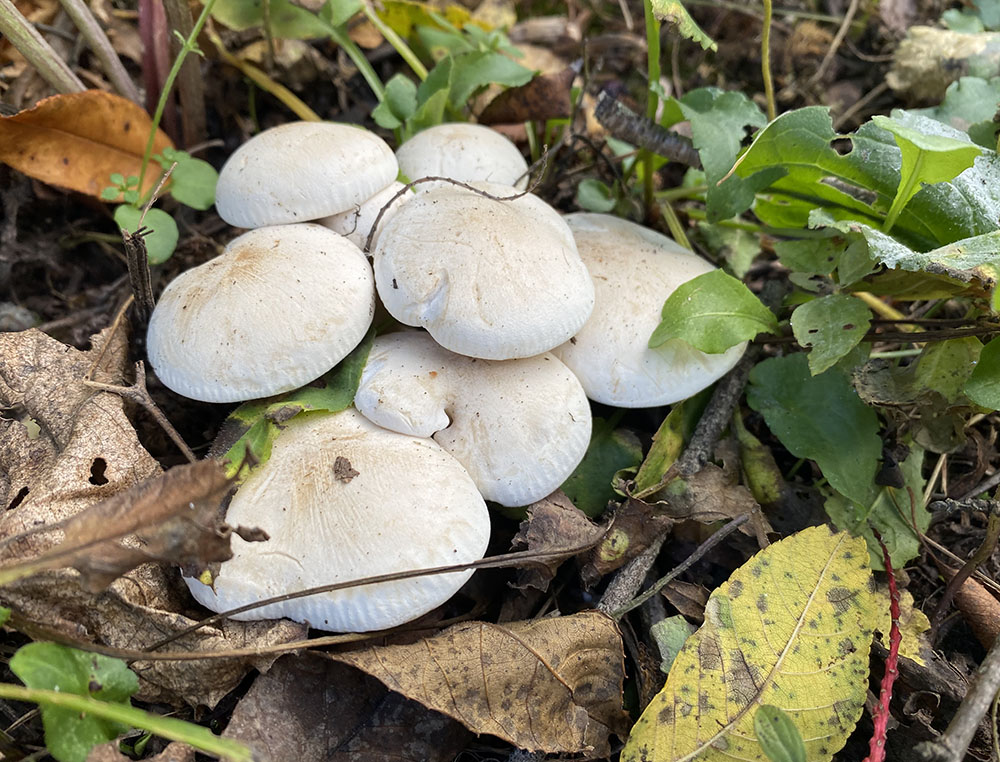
pixel 634 527
pixel 78 140
pixel 547 96
pixel 980 609
pixel 551 685
pixel 310 709
pixel 64 447
pixel 553 524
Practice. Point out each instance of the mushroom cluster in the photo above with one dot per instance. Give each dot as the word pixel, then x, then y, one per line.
pixel 487 398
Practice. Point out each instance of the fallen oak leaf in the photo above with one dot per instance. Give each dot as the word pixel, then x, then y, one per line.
pixel 78 140
pixel 551 685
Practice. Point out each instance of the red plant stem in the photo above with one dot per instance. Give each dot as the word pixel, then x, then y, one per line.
pixel 876 749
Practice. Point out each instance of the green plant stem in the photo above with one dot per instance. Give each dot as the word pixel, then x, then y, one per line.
pixel 765 61
pixel 190 43
pixel 673 194
pixel 652 99
pixel 675 226
pixel 167 727
pixel 339 35
pixel 101 46
pixel 397 42
pixel 30 44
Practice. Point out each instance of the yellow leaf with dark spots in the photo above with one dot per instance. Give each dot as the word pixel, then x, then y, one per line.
pixel 792 628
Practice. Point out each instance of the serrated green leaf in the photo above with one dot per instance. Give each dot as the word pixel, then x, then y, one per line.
pixel 821 418
pixel 478 69
pixel 945 366
pixel 595 196
pixel 48 666
pixel 890 513
pixel 287 19
pixel 830 326
pixel 670 635
pixel 609 451
pixel 792 627
pixel 193 183
pixel 673 12
pixel 162 241
pixel 778 736
pixel 983 386
pixel 712 313
pixel 248 432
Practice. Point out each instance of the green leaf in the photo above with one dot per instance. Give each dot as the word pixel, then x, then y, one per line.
pixel 595 196
pixel 399 104
pixel 945 366
pixel 670 635
pixel 778 736
pixel 193 183
pixel 248 432
pixel 610 450
pixel 927 159
pixel 339 12
pixel 712 313
pixel 69 735
pixel 111 193
pixel 738 247
pixel 890 513
pixel 674 13
pixel 821 418
pixel 966 102
pixel 287 19
pixel 4 615
pixel 668 443
pixel 983 386
pixel 162 241
pixel 831 326
pixel 478 69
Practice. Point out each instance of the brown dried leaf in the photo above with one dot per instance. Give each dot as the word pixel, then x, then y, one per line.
pixel 688 598
pixel 78 140
pixel 553 524
pixel 634 527
pixel 980 609
pixel 59 437
pixel 310 709
pixel 551 685
pixel 707 496
pixel 545 97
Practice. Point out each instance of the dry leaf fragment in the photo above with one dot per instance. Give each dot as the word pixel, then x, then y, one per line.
pixel 547 96
pixel 310 709
pixel 78 140
pixel 553 524
pixel 551 685
pixel 634 527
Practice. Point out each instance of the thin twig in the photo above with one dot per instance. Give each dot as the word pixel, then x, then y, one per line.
pixel 838 40
pixel 29 43
pixel 101 46
pixel 624 123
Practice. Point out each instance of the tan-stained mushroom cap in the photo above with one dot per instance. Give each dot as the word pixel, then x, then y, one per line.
pixel 634 270
pixel 302 171
pixel 277 309
pixel 356 223
pixel 519 427
pixel 464 152
pixel 486 278
pixel 341 500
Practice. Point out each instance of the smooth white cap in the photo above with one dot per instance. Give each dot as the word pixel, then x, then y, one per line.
pixel 276 310
pixel 519 427
pixel 635 269
pixel 355 224
pixel 409 506
pixel 490 279
pixel 464 152
pixel 302 171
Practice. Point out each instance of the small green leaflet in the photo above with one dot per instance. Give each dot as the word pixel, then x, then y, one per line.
pixel 287 19
pixel 821 418
pixel 160 243
pixel 778 736
pixel 399 104
pixel 674 13
pixel 983 386
pixel 670 635
pixel 193 181
pixel 831 326
pixel 712 313
pixel 595 196
pixel 927 159
pixel 47 666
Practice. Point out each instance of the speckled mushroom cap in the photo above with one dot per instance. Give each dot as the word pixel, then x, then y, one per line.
pixel 356 223
pixel 519 427
pixel 343 499
pixel 635 269
pixel 465 152
pixel 302 171
pixel 491 279
pixel 277 309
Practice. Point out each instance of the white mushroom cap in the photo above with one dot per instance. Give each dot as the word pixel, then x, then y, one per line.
pixel 356 223
pixel 634 270
pixel 342 499
pixel 302 171
pixel 464 152
pixel 277 309
pixel 490 279
pixel 519 427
